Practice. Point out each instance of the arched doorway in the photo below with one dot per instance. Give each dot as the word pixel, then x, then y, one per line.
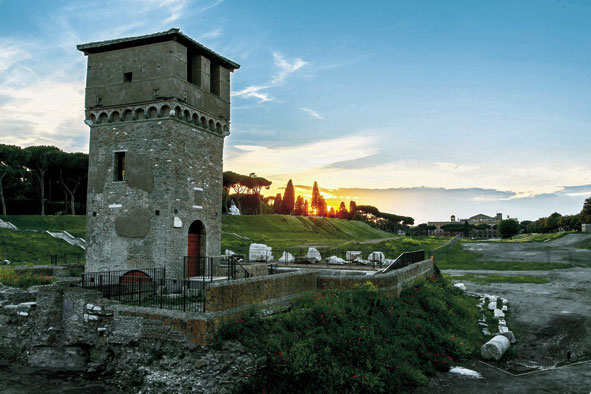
pixel 195 249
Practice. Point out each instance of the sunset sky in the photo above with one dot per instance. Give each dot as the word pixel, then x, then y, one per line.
pixel 422 108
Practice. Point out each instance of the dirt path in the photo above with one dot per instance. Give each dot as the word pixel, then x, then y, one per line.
pixel 552 322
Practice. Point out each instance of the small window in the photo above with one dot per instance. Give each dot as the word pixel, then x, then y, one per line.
pixel 157 212
pixel 156 93
pixel 94 214
pixel 127 77
pixel 119 166
pixel 99 101
pixel 176 211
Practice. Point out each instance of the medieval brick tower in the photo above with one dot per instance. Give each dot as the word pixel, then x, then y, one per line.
pixel 158 107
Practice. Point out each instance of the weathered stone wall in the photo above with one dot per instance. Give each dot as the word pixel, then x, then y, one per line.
pixel 393 282
pixel 586 228
pixel 130 223
pixel 253 291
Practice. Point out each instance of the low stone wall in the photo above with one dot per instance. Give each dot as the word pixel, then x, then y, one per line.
pixel 45 270
pixel 393 282
pixel 252 291
pixel 254 269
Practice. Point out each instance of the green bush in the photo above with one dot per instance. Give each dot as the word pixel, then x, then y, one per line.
pixel 360 341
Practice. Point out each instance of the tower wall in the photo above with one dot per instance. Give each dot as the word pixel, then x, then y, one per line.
pixel 158 109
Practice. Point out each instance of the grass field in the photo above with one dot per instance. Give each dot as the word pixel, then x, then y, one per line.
pixel 27 247
pixel 458 258
pixel 75 225
pixel 535 237
pixel 330 236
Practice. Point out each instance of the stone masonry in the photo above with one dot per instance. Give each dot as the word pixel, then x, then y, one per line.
pixel 158 108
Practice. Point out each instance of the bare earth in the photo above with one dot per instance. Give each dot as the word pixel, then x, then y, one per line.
pixel 552 323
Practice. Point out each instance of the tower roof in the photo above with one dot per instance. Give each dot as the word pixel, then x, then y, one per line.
pixel 171 34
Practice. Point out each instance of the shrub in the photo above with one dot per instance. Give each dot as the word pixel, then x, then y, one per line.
pixel 24 280
pixel 360 341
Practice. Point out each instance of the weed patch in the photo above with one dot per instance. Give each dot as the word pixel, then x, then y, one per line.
pixel 360 341
pixel 24 280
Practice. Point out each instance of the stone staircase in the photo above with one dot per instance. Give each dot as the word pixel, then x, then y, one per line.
pixel 69 238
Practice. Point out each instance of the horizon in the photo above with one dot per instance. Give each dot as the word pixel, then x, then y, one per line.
pixel 423 110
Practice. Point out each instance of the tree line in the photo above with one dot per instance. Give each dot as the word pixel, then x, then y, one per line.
pixel 248 198
pixel 42 180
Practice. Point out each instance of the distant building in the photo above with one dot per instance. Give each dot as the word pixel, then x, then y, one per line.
pixel 475 220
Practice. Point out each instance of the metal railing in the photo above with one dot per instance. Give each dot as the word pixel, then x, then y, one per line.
pixel 235 266
pixel 404 260
pixel 150 288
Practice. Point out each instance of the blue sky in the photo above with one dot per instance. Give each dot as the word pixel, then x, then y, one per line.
pixel 488 98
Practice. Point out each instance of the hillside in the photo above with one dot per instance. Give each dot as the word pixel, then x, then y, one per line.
pixel 278 231
pixel 288 232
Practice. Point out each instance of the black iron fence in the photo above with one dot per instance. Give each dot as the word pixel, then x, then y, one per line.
pixel 150 288
pixel 236 267
pixel 406 259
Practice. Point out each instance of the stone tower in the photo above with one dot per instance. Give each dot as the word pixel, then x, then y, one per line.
pixel 158 107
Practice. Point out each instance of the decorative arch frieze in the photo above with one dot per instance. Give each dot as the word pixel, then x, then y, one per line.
pixel 183 113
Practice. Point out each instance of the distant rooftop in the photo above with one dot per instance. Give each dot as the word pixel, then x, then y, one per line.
pixel 171 34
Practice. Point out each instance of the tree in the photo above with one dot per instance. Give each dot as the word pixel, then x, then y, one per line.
pixel 73 169
pixel 322 207
pixel 277 203
pixel 38 161
pixel 331 213
pixel 306 208
pixel 299 206
pixel 11 162
pixel 352 209
pixel 508 228
pixel 315 202
pixel 342 213
pixel 288 200
pixel 585 215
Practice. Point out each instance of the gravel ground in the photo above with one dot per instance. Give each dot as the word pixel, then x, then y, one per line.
pixel 552 323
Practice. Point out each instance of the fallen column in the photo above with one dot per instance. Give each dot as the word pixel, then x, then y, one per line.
pixel 495 348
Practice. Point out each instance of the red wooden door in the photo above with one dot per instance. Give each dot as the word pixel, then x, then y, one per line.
pixel 193 255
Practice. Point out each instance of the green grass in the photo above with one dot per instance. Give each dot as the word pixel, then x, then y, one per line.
pixel 492 278
pixel 535 237
pixel 458 258
pixel 283 232
pixel 26 247
pixel 360 341
pixel 75 225
pixel 392 248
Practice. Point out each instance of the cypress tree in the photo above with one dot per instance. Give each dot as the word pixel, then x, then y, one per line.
pixel 288 200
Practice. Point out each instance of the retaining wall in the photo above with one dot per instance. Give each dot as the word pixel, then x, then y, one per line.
pixel 393 282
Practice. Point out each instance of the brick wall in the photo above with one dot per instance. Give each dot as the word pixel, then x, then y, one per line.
pixel 234 294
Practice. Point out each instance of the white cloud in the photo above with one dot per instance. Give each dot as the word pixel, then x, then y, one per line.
pixel 254 92
pixel 312 113
pixel 283 70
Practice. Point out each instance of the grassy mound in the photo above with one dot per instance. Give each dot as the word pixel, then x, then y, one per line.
pixel 34 248
pixel 360 341
pixel 283 232
pixel 75 225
